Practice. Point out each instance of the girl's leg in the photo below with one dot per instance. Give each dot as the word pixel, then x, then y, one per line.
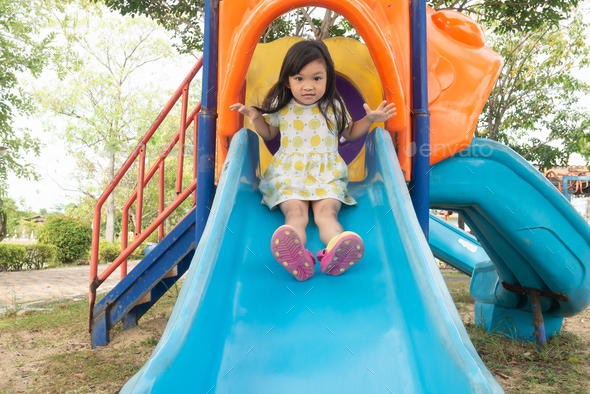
pixel 325 213
pixel 297 216
pixel 288 241
pixel 343 249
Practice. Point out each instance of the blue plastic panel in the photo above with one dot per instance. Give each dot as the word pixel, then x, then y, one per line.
pixel 242 324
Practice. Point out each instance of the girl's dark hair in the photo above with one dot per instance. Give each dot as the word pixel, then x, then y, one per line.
pixel 299 56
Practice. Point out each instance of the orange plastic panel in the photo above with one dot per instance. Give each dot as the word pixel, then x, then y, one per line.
pixel 462 71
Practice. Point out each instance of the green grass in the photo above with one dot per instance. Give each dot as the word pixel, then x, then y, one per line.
pixel 460 292
pixel 551 371
pixel 527 370
pixel 105 370
pixel 453 274
pixel 57 315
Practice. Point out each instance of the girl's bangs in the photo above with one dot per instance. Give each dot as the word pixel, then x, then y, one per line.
pixel 301 61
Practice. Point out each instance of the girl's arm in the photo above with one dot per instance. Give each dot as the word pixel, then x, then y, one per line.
pixel 264 130
pixel 357 129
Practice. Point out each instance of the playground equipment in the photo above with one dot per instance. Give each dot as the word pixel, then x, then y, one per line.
pixel 532 234
pixel 576 183
pixel 240 325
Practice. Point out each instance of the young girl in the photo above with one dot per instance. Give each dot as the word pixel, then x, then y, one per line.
pixel 306 108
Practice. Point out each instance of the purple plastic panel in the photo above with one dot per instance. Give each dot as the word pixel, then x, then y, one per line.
pixel 354 101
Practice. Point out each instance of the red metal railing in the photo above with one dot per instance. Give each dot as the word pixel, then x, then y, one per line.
pixel 142 181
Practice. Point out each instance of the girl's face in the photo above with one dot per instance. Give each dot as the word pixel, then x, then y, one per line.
pixel 310 84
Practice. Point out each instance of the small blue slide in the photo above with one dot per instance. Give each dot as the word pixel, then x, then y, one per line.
pixel 532 234
pixel 243 325
pixel 454 246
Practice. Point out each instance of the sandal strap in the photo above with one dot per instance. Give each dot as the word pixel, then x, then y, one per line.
pixel 310 256
pixel 321 254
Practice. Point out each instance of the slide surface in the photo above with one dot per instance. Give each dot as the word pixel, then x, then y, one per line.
pixel 242 324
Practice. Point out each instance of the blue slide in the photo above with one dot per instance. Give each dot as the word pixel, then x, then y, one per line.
pixel 242 324
pixel 454 246
pixel 532 234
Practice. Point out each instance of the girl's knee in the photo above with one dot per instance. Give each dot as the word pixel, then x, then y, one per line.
pixel 297 212
pixel 327 212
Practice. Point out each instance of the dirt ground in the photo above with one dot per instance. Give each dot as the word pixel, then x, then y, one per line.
pixel 59 359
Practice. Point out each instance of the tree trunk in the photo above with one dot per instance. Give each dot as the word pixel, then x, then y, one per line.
pixel 168 225
pixel 3 221
pixel 110 230
pixel 131 227
pixel 461 223
pixel 327 24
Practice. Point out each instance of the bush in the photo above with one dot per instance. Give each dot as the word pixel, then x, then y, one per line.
pixel 138 253
pixel 12 257
pixel 71 237
pixel 37 255
pixel 108 252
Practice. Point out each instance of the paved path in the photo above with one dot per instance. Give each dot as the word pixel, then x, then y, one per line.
pixel 22 287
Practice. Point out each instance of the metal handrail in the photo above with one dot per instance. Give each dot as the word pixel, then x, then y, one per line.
pixel 140 150
pixel 158 165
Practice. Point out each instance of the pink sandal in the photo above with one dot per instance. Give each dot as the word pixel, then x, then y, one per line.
pixel 343 251
pixel 288 250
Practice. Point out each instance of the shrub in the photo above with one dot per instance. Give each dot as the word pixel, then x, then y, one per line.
pixel 12 257
pixel 138 253
pixel 37 255
pixel 108 252
pixel 71 237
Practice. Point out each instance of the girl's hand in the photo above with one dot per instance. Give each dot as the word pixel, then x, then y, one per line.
pixel 250 112
pixel 382 113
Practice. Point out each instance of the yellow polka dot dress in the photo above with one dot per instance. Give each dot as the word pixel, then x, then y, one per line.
pixel 307 165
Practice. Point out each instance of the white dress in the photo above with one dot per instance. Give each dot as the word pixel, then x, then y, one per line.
pixel 307 165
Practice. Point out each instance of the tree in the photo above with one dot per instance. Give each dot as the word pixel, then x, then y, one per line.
pixel 106 104
pixel 533 106
pixel 508 16
pixel 185 18
pixel 25 48
pixel 8 210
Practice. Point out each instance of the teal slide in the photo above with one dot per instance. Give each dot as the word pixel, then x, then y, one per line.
pixel 532 234
pixel 242 324
pixel 454 246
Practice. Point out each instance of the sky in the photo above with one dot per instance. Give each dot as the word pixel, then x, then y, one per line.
pixel 55 167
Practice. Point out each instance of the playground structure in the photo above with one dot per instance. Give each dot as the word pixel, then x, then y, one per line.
pixel 240 325
pixel 571 183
